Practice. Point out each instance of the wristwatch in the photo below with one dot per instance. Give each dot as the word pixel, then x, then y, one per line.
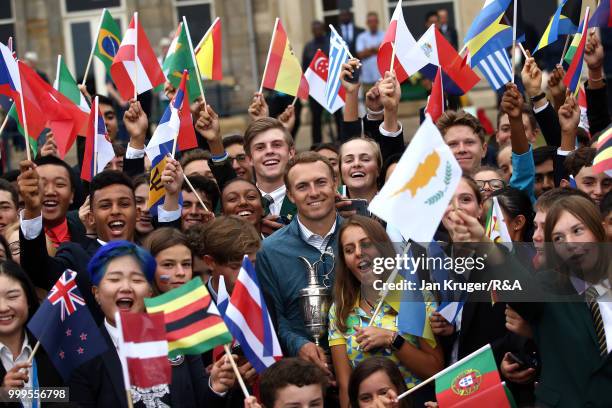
pixel 538 97
pixel 398 342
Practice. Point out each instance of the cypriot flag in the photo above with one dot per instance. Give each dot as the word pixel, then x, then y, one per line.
pixel 416 195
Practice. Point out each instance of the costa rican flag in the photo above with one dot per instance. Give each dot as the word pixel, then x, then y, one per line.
pixel 248 319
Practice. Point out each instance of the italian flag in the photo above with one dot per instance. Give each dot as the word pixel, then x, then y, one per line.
pixel 65 83
pixel 472 382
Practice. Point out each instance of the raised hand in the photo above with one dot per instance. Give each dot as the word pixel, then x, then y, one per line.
pixel 556 85
pixel 50 146
pixel 287 118
pixel 28 183
pixel 593 52
pixel 208 123
pixel 390 92
pixel 222 376
pixel 372 98
pixel 258 108
pixel 532 77
pixel 172 176
pixel 347 72
pixel 512 102
pixel 136 124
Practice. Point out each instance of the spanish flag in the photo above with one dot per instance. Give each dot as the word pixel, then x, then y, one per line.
pixel 193 323
pixel 208 53
pixel 283 72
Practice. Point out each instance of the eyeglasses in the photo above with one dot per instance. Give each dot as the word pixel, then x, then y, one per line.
pixel 239 158
pixel 495 184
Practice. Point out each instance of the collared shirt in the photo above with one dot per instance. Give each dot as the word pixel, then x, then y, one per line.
pixel 278 196
pixel 316 240
pixel 604 300
pixel 8 361
pixel 369 70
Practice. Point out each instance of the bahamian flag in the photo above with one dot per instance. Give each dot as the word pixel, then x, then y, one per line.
pixel 179 58
pixel 560 23
pixel 487 33
pixel 107 40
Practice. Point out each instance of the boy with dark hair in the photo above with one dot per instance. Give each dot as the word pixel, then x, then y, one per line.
pixel 192 212
pixel 543 158
pixel 293 382
pixel 579 165
pixel 9 204
pixel 234 146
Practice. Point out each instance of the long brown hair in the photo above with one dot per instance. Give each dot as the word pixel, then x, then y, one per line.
pixel 164 238
pixel 347 286
pixel 373 365
pixel 587 212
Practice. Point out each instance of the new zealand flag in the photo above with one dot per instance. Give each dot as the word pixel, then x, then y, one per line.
pixel 65 328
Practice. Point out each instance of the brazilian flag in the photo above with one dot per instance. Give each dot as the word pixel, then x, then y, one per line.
pixel 107 42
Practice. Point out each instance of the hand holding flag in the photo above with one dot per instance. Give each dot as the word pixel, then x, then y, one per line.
pixel 572 77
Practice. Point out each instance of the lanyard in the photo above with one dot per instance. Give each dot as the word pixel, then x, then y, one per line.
pixel 35 403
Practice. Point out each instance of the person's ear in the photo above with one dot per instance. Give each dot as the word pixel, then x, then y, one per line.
pixel 564 183
pixel 518 222
pixel 210 262
pixel 95 291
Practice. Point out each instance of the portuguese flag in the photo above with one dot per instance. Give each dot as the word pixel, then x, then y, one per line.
pixel 472 382
pixel 193 323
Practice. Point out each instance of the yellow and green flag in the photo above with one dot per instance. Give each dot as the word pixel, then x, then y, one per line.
pixel 107 40
pixel 193 323
pixel 179 58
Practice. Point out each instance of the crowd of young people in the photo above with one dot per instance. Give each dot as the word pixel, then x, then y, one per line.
pixel 263 199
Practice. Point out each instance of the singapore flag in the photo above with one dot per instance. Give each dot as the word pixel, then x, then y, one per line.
pixel 316 75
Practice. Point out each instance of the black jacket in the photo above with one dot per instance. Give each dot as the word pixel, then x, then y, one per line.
pixel 99 382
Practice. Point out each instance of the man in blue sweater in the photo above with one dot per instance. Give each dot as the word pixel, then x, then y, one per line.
pixel 310 182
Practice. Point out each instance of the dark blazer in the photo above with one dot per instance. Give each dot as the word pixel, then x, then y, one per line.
pixel 45 270
pixel 548 121
pixel 99 382
pixel 597 108
pixel 351 42
pixel 573 373
pixel 47 376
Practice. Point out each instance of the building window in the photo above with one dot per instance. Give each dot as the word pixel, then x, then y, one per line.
pixel 87 5
pixel 416 10
pixel 199 14
pixel 331 9
pixel 7 22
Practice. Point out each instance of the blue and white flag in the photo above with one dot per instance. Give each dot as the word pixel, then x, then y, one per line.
pixel 338 55
pixel 497 68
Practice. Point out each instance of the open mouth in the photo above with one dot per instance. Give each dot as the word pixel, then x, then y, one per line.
pixel 358 174
pixel 8 319
pixel 116 227
pixel 315 204
pixel 50 204
pixel 124 303
pixel 244 213
pixel 271 162
pixel 364 265
pixel 145 219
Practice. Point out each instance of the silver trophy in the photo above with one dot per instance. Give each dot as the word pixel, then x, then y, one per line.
pixel 315 300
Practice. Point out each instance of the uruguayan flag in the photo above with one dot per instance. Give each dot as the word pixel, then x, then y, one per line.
pixel 497 68
pixel 338 55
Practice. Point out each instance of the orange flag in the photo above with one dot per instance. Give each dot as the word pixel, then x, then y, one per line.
pixel 283 72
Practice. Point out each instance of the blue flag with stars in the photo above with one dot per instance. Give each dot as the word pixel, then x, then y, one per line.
pixel 65 328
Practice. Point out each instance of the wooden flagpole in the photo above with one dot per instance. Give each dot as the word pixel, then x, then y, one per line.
pixel 25 128
pixel 195 61
pixel 269 52
pixel 228 353
pixel 93 48
pixel 95 135
pixel 6 118
pixel 136 57
pixel 392 56
pixel 567 41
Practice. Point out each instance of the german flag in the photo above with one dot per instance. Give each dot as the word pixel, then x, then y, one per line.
pixel 603 159
pixel 193 323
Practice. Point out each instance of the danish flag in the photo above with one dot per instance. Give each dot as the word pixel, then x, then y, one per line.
pixel 63 292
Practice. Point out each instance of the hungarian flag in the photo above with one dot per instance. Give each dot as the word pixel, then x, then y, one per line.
pixel 435 103
pixel 65 83
pixel 107 40
pixel 409 58
pixel 193 323
pixel 135 62
pixel 208 53
pixel 602 163
pixel 178 58
pixel 283 72
pixel 572 76
pixel 98 147
pixel 143 349
pixel 457 76
pixel 472 381
pixel 43 103
pixel 316 75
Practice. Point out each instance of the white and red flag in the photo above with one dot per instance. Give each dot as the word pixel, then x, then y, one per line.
pixel 409 58
pixel 435 103
pixel 143 349
pixel 136 62
pixel 316 75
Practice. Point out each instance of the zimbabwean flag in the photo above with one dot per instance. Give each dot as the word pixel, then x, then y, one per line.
pixel 472 382
pixel 193 323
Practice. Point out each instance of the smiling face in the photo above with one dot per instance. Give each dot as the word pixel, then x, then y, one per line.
pixel 311 188
pixel 192 211
pixel 359 166
pixel 243 199
pixel 464 199
pixel 544 177
pixel 143 222
pixel 13 306
pixel 270 154
pixel 173 267
pixel 56 191
pixel 110 120
pixel 333 160
pixel 359 253
pixel 8 211
pixel 488 181
pixel 375 387
pixel 466 146
pixel 503 133
pixel 240 163
pixel 114 210
pixel 574 242
pixel 595 185
pixel 123 287
pixel 504 161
